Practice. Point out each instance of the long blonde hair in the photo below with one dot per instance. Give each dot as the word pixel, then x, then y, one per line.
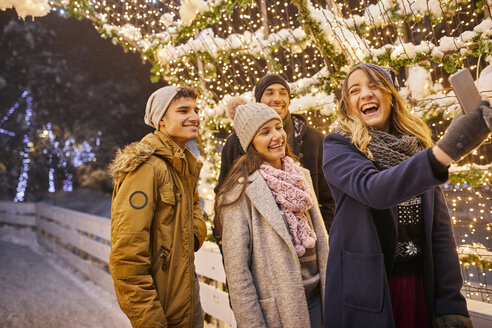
pixel 401 119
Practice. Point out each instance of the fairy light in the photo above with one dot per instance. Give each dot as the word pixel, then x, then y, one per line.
pixel 24 173
pixel 235 70
pixel 66 152
pixel 51 180
pixel 76 154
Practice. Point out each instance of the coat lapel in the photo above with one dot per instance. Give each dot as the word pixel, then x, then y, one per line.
pixel 428 210
pixel 262 199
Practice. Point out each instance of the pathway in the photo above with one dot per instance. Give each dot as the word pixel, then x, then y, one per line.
pixel 37 290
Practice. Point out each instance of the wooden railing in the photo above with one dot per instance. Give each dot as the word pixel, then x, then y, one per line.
pixel 83 241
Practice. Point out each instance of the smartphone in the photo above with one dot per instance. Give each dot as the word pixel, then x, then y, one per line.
pixel 465 90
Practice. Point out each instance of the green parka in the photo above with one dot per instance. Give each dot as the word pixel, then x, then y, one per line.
pixel 156 225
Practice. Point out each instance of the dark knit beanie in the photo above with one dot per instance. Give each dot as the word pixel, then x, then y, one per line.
pixel 266 81
pixel 386 71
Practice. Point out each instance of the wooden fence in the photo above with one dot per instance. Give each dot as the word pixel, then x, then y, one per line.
pixel 83 241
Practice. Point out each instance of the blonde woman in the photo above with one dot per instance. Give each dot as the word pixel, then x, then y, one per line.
pixel 393 260
pixel 274 241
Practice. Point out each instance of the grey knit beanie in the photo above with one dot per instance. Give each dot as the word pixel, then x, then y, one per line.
pixel 249 118
pixel 386 71
pixel 266 81
pixel 157 105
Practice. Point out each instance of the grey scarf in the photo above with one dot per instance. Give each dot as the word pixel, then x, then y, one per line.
pixel 390 149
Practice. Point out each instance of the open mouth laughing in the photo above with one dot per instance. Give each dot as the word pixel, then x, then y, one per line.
pixel 370 108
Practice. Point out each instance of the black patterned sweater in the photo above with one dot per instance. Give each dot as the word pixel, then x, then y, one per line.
pixel 411 234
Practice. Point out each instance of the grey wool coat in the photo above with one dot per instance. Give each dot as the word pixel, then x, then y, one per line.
pixel 261 265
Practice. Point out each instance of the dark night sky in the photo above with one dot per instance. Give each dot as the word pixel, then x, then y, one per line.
pixel 106 61
pixel 72 33
pixel 87 58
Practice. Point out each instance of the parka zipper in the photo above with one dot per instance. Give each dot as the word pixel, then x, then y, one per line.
pixel 189 199
pixel 190 257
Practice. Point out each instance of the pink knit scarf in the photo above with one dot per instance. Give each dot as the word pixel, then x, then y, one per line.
pixel 291 194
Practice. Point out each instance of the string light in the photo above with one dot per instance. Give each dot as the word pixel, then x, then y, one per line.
pixel 24 176
pixel 238 49
pixel 66 152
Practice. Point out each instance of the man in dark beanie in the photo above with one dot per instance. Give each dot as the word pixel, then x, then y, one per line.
pixel 304 141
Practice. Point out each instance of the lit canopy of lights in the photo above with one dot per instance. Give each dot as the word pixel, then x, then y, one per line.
pixel 223 48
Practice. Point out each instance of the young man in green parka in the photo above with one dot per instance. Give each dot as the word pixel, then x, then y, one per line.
pixel 156 219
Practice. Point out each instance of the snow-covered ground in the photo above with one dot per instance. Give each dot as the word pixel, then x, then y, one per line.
pixel 38 290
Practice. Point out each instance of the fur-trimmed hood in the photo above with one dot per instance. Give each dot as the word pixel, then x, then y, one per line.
pixel 129 159
pixel 157 143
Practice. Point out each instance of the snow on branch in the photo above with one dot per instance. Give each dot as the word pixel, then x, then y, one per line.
pixel 34 8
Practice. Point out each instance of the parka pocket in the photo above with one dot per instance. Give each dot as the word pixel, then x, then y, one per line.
pixel 168 197
pixel 363 280
pixel 270 313
pixel 167 206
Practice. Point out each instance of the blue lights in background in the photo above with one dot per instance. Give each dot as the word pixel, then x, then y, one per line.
pixel 66 153
pixel 24 174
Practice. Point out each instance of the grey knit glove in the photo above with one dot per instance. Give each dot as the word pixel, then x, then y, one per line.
pixel 453 321
pixel 467 132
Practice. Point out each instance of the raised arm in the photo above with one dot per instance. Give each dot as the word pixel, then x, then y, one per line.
pixel 349 170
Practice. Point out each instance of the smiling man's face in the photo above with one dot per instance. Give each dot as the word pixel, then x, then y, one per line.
pixel 180 122
pixel 276 96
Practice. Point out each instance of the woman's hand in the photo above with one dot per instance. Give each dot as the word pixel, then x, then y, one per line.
pixel 466 132
pixel 453 321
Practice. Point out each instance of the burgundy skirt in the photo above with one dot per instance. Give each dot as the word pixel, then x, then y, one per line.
pixel 408 301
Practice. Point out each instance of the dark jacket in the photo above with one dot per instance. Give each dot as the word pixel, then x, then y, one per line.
pixel 360 262
pixel 308 146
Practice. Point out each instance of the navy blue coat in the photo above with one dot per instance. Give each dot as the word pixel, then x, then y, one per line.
pixel 359 262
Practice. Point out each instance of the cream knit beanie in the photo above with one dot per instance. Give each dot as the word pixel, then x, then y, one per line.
pixel 157 105
pixel 249 118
